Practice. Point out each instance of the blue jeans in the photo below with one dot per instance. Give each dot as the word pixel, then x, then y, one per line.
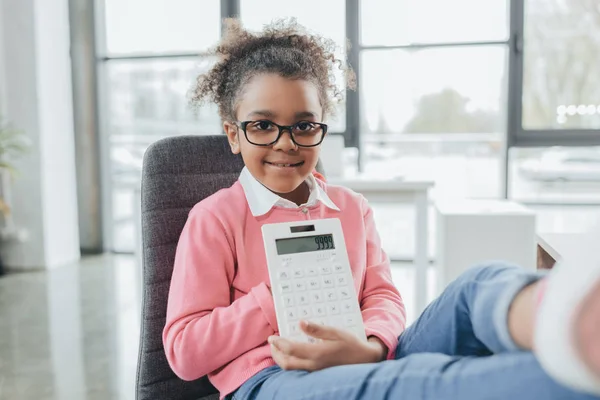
pixel 459 348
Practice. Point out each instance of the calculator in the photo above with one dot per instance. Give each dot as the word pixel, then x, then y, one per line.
pixel 311 277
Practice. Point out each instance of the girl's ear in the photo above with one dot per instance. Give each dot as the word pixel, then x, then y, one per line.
pixel 231 130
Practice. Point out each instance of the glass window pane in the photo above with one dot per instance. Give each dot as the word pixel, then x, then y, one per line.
pixel 562 185
pixel 150 98
pixel 445 90
pixel 398 22
pixel 147 100
pixel 161 26
pixel 438 113
pixel 555 175
pixel 561 87
pixel 329 20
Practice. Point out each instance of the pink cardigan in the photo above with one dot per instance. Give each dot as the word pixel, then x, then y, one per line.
pixel 220 310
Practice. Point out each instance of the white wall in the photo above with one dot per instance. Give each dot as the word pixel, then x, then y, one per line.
pixel 38 99
pixel 57 132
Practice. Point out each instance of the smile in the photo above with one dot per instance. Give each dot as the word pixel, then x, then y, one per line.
pixel 282 165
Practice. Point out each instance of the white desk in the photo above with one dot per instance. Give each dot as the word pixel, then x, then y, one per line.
pixel 402 191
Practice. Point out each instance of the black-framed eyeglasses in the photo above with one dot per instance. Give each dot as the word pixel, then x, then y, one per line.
pixel 266 133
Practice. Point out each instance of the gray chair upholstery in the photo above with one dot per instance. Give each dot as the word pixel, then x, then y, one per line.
pixel 177 173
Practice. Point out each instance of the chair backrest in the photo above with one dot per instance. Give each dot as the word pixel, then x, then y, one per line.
pixel 178 172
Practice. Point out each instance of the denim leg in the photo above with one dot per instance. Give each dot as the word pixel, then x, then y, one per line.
pixel 426 376
pixel 470 317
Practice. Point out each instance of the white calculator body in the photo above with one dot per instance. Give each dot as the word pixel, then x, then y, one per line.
pixel 311 277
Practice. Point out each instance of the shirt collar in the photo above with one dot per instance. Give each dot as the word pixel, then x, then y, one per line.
pixel 261 200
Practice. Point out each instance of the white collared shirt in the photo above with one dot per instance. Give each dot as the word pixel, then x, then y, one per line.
pixel 261 200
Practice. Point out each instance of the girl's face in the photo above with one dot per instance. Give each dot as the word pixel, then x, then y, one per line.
pixel 284 102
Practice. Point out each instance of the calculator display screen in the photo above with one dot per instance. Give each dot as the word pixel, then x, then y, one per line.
pixel 304 244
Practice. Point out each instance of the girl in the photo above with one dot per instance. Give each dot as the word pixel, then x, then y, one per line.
pixel 273 91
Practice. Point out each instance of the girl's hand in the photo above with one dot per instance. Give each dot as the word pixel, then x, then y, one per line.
pixel 337 347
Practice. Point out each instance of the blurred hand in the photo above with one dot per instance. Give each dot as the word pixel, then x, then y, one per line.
pixel 337 347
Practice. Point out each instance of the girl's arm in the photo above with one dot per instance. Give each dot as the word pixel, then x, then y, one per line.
pixel 204 331
pixel 381 304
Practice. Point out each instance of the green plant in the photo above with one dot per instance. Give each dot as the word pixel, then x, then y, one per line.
pixel 13 144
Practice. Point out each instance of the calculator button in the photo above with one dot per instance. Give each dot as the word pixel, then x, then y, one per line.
pixel 330 295
pixel 298 273
pixel 333 309
pixel 313 283
pixel 291 314
pixel 302 299
pixel 340 280
pixel 347 306
pixel 294 328
pixel 304 312
pixel 325 269
pixel 299 286
pixel 317 297
pixel 349 320
pixel 286 287
pixel 327 282
pixel 288 301
pixel 336 322
pixel 283 275
pixel 312 271
pixel 338 268
pixel 311 340
pixel 344 293
pixel 320 311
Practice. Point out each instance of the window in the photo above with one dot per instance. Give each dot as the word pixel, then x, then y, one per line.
pixel 146 101
pixel 433 81
pixel 555 175
pixel 150 60
pixel 562 185
pixel 434 95
pixel 433 90
pixel 161 26
pixel 561 86
pixel 397 22
pixel 554 165
pixel 149 98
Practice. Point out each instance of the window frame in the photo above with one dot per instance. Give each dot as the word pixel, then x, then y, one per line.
pixel 515 135
pixel 353 32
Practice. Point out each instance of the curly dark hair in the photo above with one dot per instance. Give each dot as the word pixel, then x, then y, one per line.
pixel 284 47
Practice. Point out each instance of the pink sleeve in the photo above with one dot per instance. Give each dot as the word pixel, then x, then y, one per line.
pixel 381 304
pixel 204 331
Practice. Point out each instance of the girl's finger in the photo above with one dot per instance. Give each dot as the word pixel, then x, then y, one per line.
pixel 278 357
pixel 287 362
pixel 321 332
pixel 296 349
